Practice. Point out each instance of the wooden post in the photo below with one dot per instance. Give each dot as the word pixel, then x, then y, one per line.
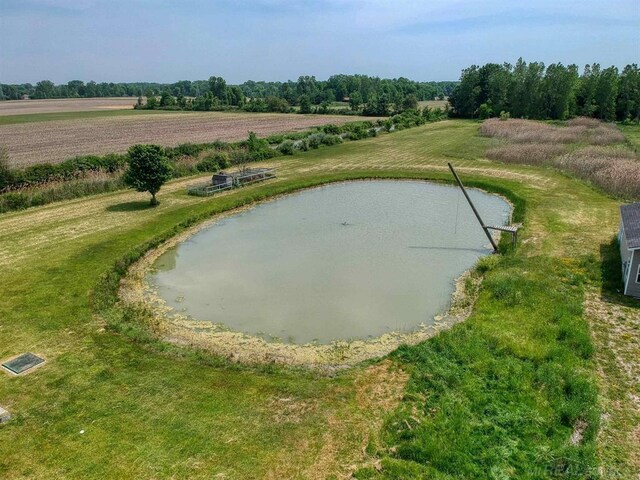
pixel 486 230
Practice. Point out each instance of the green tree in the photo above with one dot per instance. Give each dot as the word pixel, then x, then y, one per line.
pixel 606 94
pixel 324 107
pixel 167 100
pixel 517 95
pixel 628 102
pixel 44 89
pixel 279 105
pixel 586 92
pixel 148 170
pixel 410 102
pixel 75 88
pixel 355 101
pixel 532 89
pixel 307 85
pixel 465 97
pixel 236 96
pixel 181 100
pixel 377 106
pixel 485 111
pixel 305 104
pixel 558 91
pixel 152 102
pixel 497 87
pixel 218 87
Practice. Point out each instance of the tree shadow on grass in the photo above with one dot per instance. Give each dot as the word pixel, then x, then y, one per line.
pixel 130 207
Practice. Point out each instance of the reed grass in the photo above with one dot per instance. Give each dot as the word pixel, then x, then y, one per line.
pixel 89 183
pixel 604 161
pixel 578 130
pixel 614 170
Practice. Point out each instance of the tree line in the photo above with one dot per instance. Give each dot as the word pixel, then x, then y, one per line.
pixel 533 90
pixel 357 93
pixel 337 88
pixel 77 89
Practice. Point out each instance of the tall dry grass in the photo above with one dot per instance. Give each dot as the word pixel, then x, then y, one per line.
pixel 606 164
pixel 529 153
pixel 584 122
pixel 87 184
pixel 605 134
pixel 614 170
pixel 578 130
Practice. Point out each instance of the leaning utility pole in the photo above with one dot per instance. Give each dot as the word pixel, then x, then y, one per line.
pixel 484 227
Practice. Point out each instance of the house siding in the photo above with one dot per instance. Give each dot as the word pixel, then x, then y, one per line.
pixel 633 287
pixel 625 253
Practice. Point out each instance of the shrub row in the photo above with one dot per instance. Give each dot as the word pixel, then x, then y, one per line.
pixel 56 191
pixel 71 169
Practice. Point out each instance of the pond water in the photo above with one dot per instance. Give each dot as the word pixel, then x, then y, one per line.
pixel 345 261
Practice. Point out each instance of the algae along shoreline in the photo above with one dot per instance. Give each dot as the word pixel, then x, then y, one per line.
pixel 434 200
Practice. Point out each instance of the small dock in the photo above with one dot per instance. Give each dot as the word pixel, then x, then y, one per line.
pixel 512 229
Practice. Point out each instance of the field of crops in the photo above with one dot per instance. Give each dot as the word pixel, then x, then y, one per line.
pixel 23 107
pixel 55 141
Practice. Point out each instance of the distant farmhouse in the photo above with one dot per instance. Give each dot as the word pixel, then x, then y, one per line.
pixel 629 238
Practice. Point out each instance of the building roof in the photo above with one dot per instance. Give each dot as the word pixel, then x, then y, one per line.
pixel 630 215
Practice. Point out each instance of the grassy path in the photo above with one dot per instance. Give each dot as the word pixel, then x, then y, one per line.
pixel 152 414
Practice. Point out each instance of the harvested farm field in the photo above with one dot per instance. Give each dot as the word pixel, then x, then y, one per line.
pixel 57 105
pixel 55 141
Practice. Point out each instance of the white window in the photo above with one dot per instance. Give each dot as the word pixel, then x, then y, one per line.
pixel 638 275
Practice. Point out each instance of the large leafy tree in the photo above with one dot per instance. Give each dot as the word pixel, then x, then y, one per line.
pixel 466 96
pixel 628 103
pixel 305 104
pixel 149 169
pixel 558 91
pixel 606 94
pixel 45 89
pixel 218 87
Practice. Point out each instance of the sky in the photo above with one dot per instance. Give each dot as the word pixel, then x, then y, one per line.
pixel 170 40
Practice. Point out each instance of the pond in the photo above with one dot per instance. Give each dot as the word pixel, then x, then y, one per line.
pixel 346 261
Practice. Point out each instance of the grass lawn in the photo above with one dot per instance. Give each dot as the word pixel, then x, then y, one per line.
pixel 499 396
pixel 632 132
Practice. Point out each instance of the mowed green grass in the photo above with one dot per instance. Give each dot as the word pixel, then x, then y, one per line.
pixel 151 411
pixel 632 132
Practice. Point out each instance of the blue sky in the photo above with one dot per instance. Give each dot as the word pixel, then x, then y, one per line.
pixel 166 41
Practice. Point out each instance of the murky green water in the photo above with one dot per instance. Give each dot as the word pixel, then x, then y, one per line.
pixel 344 261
